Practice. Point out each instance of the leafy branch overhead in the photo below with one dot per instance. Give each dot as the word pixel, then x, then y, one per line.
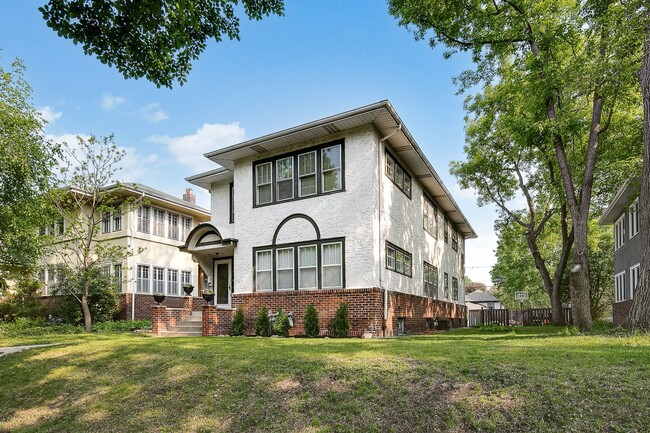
pixel 155 39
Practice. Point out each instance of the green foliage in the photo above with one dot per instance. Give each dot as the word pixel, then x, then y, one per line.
pixel 25 303
pixel 492 328
pixel 27 161
pixel 103 299
pixel 123 326
pixel 281 325
pixel 238 323
pixel 35 327
pixel 263 323
pixel 154 40
pixel 340 324
pixel 312 329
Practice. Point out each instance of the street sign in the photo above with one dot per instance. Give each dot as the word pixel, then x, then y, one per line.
pixel 521 296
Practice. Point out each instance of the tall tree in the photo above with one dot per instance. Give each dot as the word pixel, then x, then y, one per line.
pixel 26 163
pixel 578 57
pixel 156 39
pixel 83 202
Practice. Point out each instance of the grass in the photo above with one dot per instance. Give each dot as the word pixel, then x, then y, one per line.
pixel 526 380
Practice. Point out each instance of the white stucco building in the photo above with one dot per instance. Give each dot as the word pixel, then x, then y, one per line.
pixel 342 209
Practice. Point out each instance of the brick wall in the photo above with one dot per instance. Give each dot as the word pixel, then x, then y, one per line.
pixel 163 318
pixel 365 310
pixel 216 321
pixel 620 311
pixel 143 304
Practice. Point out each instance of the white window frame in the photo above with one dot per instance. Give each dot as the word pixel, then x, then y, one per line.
pixel 619 232
pixel 106 222
pixel 258 184
pixel 339 265
pixel 633 211
pixel 116 221
pixel 286 179
pixel 635 272
pixel 172 283
pixel 313 174
pixel 140 279
pixel 173 225
pixel 314 267
pixel 186 277
pixel 186 226
pixel 118 276
pixel 258 270
pixel 158 285
pixel 278 269
pixel 336 169
pixel 158 222
pixel 144 216
pixel 619 287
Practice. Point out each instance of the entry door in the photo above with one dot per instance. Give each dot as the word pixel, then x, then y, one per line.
pixel 222 278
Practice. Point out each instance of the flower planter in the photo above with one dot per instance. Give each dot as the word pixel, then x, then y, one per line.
pixel 158 297
pixel 208 297
pixel 188 289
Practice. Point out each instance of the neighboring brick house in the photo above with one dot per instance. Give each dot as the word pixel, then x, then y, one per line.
pixel 342 209
pixel 623 214
pixel 158 228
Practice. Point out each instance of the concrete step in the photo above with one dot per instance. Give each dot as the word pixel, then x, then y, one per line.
pixel 180 334
pixel 185 327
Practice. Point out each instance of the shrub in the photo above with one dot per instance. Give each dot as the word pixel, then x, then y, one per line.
pixel 263 323
pixel 25 303
pixel 35 327
pixel 311 321
pixel 238 323
pixel 123 326
pixel 282 324
pixel 340 324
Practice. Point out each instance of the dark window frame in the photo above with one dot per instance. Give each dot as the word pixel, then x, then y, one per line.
pixel 429 203
pixel 295 245
pixel 446 229
pixel 454 239
pixel 454 288
pixel 296 173
pixel 397 163
pixel 446 285
pixel 390 245
pixel 232 203
pixel 430 287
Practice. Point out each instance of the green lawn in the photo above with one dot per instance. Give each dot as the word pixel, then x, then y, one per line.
pixel 534 380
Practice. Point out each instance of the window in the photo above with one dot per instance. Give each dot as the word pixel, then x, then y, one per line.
pixel 445 230
pixel 454 288
pixel 319 170
pixel 331 164
pixel 619 287
pixel 60 226
pixel 186 277
pixel 430 281
pixel 106 222
pixel 619 232
pixel 325 255
pixel 263 183
pixel 158 280
pixel 633 210
pixel 430 218
pixel 143 219
pixel 173 225
pixel 446 285
pixel 172 282
pixel 142 280
pixel 117 221
pixel 398 260
pixel 186 227
pixel 490 305
pixel 284 265
pixel 232 203
pixel 454 239
pixel 264 270
pixel 307 174
pixel 398 174
pixel 634 279
pixel 284 183
pixel 158 222
pixel 117 275
pixel 307 267
pixel 332 265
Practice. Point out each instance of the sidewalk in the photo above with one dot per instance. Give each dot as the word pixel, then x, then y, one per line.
pixel 15 349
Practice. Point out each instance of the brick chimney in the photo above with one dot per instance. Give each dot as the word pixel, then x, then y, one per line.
pixel 189 196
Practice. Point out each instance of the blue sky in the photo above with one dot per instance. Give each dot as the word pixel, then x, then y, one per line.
pixel 323 57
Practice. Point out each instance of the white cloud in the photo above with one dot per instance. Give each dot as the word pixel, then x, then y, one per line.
pixel 153 113
pixel 110 102
pixel 49 115
pixel 188 150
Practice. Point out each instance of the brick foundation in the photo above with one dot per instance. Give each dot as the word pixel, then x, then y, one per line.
pixel 365 310
pixel 216 321
pixel 163 318
pixel 620 311
pixel 143 304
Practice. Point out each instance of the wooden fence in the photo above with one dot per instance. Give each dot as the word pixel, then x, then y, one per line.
pixel 506 317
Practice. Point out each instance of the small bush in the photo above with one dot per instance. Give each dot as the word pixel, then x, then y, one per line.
pixel 238 323
pixel 492 328
pixel 34 328
pixel 123 326
pixel 311 321
pixel 25 303
pixel 263 323
pixel 340 324
pixel 282 324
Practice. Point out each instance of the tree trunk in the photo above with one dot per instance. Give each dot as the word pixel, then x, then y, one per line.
pixel 557 316
pixel 579 278
pixel 88 323
pixel 639 315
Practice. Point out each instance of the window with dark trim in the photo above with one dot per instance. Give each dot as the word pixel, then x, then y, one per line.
pixel 445 230
pixel 454 239
pixel 316 264
pixel 430 281
pixel 232 202
pixel 398 174
pixel 430 218
pixel 446 285
pixel 398 260
pixel 454 288
pixel 302 174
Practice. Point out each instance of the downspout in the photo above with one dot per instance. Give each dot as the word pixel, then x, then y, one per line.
pixel 381 181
